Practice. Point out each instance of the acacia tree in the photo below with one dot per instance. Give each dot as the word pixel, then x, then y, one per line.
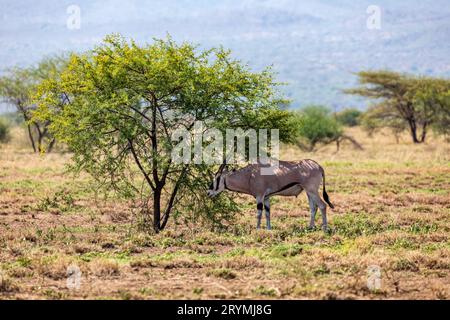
pixel 124 101
pixel 417 103
pixel 17 87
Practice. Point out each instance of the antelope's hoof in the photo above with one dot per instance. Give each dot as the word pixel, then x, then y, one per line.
pixel 327 230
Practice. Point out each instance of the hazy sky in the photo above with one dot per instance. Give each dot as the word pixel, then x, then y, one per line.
pixel 313 45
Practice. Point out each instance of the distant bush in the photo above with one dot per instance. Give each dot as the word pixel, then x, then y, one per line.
pixel 317 125
pixel 349 117
pixel 14 118
pixel 4 130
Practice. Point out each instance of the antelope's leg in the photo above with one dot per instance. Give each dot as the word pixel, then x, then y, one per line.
pixel 267 209
pixel 259 208
pixel 323 210
pixel 313 209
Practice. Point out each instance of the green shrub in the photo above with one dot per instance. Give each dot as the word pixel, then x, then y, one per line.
pixel 317 125
pixel 14 118
pixel 349 117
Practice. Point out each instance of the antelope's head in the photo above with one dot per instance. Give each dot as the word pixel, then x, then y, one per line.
pixel 218 183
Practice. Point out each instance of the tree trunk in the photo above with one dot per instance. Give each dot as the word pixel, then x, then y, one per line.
pixel 424 132
pixel 26 118
pixel 171 201
pixel 30 135
pixel 40 136
pixel 157 210
pixel 413 130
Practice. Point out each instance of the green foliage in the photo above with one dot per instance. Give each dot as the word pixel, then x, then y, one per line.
pixel 124 101
pixel 316 124
pixel 4 130
pixel 405 102
pixel 349 117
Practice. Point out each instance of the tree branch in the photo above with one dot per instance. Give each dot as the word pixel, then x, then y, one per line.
pixel 136 159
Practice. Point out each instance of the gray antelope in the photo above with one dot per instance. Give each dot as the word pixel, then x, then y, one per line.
pixel 288 179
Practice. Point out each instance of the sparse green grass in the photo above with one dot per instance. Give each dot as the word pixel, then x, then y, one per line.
pixel 223 273
pixel 264 291
pixel 392 205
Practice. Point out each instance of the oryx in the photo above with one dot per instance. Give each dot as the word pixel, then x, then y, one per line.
pixel 289 178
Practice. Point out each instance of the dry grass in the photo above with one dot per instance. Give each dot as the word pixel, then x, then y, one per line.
pixel 392 210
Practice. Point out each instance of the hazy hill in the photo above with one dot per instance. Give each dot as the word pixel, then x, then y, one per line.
pixel 314 45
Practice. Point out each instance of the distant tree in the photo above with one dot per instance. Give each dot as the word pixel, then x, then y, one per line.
pixel 4 130
pixel 349 117
pixel 416 103
pixel 124 103
pixel 17 87
pixel 317 125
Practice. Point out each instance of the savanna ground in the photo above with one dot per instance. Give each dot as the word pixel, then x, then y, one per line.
pixel 392 210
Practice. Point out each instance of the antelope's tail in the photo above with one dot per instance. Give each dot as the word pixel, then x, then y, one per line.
pixel 325 194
